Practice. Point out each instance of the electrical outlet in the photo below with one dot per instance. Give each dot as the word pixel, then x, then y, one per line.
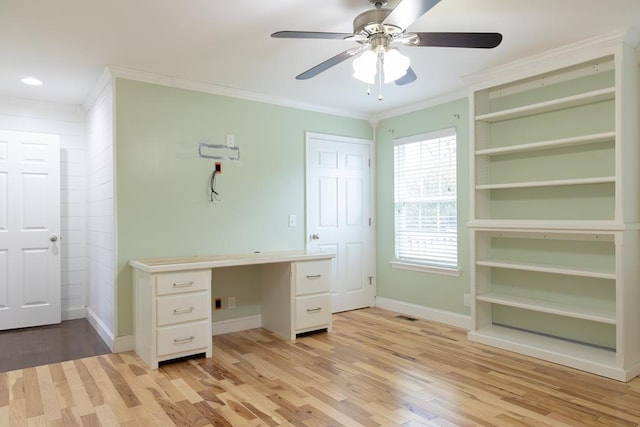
pixel 292 221
pixel 218 167
pixel 467 300
pixel 231 303
pixel 217 303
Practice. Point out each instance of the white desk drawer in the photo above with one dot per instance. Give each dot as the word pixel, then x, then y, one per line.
pixel 187 337
pixel 183 281
pixel 312 277
pixel 182 308
pixel 313 311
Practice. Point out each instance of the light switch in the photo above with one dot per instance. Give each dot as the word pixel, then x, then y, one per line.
pixel 292 221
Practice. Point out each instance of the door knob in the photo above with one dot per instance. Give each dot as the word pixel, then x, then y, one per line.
pixel 53 238
pixel 315 236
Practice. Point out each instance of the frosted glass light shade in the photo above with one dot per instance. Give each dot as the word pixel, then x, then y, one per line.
pixel 365 67
pixel 395 65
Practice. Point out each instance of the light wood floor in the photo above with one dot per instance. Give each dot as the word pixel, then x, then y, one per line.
pixel 374 369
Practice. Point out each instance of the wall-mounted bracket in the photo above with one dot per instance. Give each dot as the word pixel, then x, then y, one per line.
pixel 218 152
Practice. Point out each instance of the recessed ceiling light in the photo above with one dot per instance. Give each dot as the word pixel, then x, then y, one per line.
pixel 31 81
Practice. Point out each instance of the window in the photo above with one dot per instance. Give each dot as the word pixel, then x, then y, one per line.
pixel 426 229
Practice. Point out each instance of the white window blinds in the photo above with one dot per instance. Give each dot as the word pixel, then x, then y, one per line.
pixel 425 199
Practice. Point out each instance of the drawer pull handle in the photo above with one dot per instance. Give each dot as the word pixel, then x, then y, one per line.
pixel 183 284
pixel 315 276
pixel 184 340
pixel 314 310
pixel 183 310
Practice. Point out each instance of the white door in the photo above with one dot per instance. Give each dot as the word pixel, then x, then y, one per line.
pixel 339 215
pixel 29 229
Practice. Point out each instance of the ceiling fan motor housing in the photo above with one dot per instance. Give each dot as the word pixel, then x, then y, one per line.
pixel 369 23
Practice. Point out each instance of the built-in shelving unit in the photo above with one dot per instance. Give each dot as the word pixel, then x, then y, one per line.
pixel 555 208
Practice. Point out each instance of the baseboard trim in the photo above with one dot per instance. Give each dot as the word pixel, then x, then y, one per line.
pixel 73 313
pixel 433 314
pixel 124 343
pixel 236 325
pixel 101 328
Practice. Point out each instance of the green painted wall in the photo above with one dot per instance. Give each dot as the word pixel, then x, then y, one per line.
pixel 163 206
pixel 427 289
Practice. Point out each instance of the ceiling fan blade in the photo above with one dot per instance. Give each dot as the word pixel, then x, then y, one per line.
pixel 323 66
pixel 407 78
pixel 310 35
pixel 408 12
pixel 473 40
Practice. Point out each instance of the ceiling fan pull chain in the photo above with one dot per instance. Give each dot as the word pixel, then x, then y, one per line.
pixel 379 75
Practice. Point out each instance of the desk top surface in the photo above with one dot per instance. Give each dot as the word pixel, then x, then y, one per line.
pixel 159 265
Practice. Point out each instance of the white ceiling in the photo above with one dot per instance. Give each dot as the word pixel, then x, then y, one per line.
pixel 68 44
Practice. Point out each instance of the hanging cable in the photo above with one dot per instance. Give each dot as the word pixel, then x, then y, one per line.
pixel 212 186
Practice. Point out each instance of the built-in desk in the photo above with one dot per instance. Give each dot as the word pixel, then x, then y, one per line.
pixel 173 299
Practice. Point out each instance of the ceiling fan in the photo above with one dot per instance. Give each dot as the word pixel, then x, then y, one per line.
pixel 377 30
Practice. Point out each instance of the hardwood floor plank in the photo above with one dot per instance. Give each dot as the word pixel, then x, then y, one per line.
pixel 18 412
pixel 48 393
pixel 4 415
pixel 125 392
pixel 82 401
pixel 211 415
pixel 4 390
pixel 110 394
pixel 90 420
pixel 349 411
pixel 106 416
pixel 90 386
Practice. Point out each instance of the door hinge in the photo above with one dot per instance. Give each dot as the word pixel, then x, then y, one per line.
pixel 369 222
pixel 369 163
pixel 371 280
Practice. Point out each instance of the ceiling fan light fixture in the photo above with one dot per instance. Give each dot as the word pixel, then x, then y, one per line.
pixel 365 67
pixel 394 65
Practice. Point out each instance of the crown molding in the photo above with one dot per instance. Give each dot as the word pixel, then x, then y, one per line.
pixel 428 103
pixel 102 82
pixel 564 56
pixel 146 77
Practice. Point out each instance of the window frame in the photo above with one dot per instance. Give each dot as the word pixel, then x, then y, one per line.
pixel 425 265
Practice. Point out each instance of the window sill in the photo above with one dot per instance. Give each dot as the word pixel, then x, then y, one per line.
pixel 455 272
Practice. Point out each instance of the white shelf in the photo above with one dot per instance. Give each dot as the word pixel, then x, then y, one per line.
pixel 547 106
pixel 552 143
pixel 598 274
pixel 593 314
pixel 580 356
pixel 551 226
pixel 549 183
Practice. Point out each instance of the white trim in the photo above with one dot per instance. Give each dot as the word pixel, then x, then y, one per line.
pixel 97 89
pixel 124 343
pixel 432 102
pixel 74 313
pixel 447 271
pixel 434 134
pixel 553 59
pixel 428 313
pixel 142 76
pixel 102 329
pixel 236 325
